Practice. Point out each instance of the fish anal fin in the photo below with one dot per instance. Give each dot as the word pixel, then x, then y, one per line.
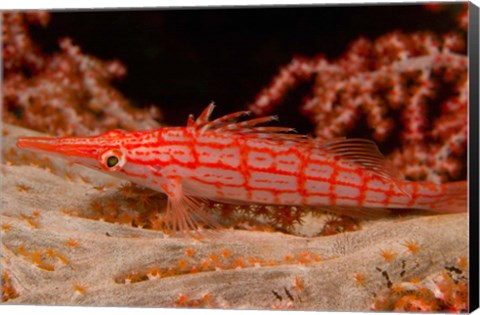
pixel 358 212
pixel 192 187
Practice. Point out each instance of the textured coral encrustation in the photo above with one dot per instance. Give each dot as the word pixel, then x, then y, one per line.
pixel 446 290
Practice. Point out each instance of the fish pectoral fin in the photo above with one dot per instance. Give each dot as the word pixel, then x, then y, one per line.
pixel 185 212
pixel 359 212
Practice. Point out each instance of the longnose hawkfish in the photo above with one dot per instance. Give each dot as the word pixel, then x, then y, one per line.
pixel 239 162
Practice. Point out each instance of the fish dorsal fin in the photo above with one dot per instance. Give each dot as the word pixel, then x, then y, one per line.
pixel 190 121
pixel 362 152
pixel 204 117
pixel 233 123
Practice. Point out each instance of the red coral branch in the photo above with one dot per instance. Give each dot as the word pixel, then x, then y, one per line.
pixel 397 82
pixel 68 93
pixel 18 48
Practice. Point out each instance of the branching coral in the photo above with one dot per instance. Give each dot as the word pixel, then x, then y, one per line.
pixel 68 93
pixel 19 51
pixel 419 77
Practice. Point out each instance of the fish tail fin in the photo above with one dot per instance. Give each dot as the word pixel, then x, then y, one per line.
pixel 454 198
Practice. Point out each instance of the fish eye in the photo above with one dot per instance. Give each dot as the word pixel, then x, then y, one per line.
pixel 112 160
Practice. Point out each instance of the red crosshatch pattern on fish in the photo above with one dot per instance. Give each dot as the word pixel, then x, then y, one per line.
pixel 234 161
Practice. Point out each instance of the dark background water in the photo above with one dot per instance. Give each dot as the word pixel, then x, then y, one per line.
pixel 182 59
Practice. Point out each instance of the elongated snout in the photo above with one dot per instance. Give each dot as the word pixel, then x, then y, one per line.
pixel 38 144
pixel 63 147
